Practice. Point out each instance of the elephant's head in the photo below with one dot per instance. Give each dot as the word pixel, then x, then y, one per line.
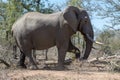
pixel 79 20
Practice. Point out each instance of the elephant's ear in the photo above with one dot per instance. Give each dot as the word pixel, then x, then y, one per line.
pixel 71 17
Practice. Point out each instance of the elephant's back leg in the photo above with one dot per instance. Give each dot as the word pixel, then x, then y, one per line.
pixel 32 63
pixel 28 53
pixel 25 46
pixel 21 62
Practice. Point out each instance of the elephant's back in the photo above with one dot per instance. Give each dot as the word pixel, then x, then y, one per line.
pixel 41 15
pixel 35 20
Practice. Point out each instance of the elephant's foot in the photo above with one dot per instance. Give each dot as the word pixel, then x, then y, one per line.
pixel 68 62
pixel 83 58
pixel 33 67
pixel 21 66
pixel 46 67
pixel 60 67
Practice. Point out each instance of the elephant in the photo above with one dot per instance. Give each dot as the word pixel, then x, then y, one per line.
pixel 37 31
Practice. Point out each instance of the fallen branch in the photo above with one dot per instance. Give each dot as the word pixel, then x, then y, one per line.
pixel 115 64
pixel 104 58
pixel 4 62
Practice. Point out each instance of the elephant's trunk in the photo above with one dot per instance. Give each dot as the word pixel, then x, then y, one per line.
pixel 88 47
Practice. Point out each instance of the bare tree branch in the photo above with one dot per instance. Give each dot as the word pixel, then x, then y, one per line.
pixel 4 62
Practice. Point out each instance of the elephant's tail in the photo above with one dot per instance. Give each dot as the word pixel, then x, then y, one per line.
pixel 14 47
pixel 12 32
pixel 15 51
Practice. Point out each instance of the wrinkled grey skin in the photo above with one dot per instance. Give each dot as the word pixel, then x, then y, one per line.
pixel 41 31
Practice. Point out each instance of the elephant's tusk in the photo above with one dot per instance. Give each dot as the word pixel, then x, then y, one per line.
pixel 93 40
pixel 99 43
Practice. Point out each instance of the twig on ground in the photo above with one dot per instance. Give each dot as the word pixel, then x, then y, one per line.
pixel 2 61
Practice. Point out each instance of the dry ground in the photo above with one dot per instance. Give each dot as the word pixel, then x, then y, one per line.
pixel 57 75
pixel 75 71
pixel 95 70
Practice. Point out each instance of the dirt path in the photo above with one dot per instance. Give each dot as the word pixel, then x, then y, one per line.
pixel 57 75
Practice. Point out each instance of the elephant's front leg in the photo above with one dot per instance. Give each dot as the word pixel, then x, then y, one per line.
pixel 62 49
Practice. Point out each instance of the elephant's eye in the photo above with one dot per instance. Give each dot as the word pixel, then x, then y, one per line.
pixel 86 17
